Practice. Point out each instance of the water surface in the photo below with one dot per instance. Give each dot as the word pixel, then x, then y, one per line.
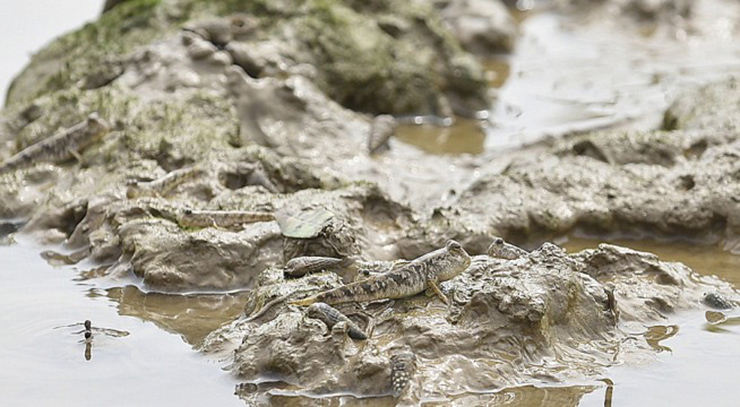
pixel 43 357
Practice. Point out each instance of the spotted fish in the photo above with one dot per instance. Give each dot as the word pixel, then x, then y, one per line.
pixel 424 272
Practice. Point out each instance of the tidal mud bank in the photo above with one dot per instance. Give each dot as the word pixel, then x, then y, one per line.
pixel 237 139
pixel 547 317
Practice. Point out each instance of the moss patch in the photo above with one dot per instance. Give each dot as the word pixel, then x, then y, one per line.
pixel 73 56
pixel 361 63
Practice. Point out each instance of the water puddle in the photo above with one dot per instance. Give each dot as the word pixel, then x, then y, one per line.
pixel 697 353
pixel 191 316
pixel 46 358
pixel 697 366
pixel 554 82
pixel 465 136
pixel 706 259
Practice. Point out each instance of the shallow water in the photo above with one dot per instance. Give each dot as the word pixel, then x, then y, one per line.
pixel 707 259
pixel 43 357
pixel 553 84
pixel 464 137
pixel 697 361
pixel 697 366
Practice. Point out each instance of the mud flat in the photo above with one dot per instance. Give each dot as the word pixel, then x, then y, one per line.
pixel 236 140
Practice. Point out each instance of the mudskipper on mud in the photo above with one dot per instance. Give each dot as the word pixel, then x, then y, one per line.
pixel 425 272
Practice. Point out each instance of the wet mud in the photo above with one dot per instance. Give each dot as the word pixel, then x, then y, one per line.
pixel 241 136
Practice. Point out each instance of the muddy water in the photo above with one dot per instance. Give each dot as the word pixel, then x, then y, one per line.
pixel 696 360
pixel 554 83
pixel 44 359
pixel 707 259
pixel 465 136
pixel 696 365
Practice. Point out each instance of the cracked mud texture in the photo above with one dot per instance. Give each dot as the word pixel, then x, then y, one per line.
pixel 260 98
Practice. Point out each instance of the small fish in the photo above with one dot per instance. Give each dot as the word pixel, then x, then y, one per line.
pixel 163 185
pixel 382 128
pixel 202 219
pixel 300 266
pixel 403 367
pixel 717 301
pixel 331 316
pixel 60 147
pixel 424 272
pixel 502 250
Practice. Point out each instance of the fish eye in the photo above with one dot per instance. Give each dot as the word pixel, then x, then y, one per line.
pixel 498 241
pixel 453 245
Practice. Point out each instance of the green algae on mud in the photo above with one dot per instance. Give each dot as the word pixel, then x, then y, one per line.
pixel 334 37
pixel 66 60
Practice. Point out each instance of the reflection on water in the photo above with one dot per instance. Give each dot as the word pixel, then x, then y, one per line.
pixel 192 316
pixel 465 136
pixel 658 333
pixel 702 348
pixel 700 370
pixel 718 322
pixel 557 83
pixel 524 396
pixel 89 333
pixel 44 354
pixel 554 82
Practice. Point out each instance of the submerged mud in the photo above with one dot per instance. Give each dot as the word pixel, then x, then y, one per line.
pixel 242 136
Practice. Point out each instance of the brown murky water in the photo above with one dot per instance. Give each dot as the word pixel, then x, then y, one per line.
pixel 465 136
pixel 707 259
pixel 696 360
pixel 44 359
